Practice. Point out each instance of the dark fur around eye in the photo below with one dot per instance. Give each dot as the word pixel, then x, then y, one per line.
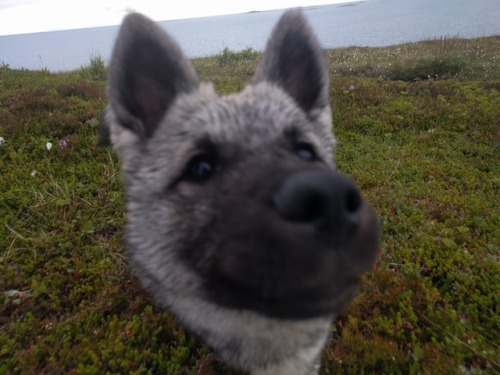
pixel 200 168
pixel 306 151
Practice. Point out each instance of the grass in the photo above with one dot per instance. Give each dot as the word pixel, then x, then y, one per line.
pixel 418 129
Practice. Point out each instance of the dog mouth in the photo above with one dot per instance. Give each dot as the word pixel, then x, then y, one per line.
pixel 296 304
pixel 295 276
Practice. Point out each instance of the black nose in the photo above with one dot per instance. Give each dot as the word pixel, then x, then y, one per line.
pixel 326 200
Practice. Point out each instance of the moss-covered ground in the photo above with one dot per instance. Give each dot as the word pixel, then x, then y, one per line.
pixel 418 129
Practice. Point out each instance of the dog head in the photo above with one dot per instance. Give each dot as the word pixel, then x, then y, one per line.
pixel 234 203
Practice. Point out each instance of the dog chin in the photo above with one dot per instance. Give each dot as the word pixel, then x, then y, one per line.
pixel 299 304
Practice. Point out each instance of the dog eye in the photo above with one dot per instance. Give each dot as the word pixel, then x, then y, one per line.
pixel 306 152
pixel 200 168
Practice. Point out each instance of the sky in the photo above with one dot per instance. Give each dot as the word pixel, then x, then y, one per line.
pixel 29 16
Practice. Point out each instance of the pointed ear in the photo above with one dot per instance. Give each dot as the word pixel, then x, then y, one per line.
pixel 147 72
pixel 293 60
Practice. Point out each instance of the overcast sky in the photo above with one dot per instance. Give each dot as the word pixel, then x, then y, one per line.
pixel 28 16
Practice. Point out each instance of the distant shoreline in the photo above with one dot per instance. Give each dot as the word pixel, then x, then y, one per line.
pixel 306 8
pixel 360 23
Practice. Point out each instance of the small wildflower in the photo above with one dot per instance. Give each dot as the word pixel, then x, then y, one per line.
pixel 17 293
pixel 63 143
pixel 2 141
pixel 33 173
pixel 48 145
pixel 351 88
pixel 16 297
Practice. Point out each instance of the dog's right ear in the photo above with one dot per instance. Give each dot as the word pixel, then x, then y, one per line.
pixel 146 74
pixel 293 60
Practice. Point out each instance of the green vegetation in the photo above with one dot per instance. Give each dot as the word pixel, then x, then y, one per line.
pixel 95 70
pixel 418 129
pixel 228 57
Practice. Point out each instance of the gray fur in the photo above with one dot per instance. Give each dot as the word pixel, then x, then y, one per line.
pixel 216 227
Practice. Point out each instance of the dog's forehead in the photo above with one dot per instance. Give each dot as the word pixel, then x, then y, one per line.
pixel 259 114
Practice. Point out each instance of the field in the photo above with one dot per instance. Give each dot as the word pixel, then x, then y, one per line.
pixel 418 130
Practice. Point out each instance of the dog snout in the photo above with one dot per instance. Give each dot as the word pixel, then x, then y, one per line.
pixel 327 201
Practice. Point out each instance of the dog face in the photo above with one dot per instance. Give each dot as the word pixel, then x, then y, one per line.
pixel 236 216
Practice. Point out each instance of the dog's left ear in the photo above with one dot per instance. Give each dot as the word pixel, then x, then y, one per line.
pixel 293 60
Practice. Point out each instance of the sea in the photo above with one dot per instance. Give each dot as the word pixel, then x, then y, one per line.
pixel 355 23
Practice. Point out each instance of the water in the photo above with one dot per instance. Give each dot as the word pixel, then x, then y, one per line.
pixel 367 23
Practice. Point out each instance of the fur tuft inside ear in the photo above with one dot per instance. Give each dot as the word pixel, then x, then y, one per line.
pixel 147 72
pixel 294 61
